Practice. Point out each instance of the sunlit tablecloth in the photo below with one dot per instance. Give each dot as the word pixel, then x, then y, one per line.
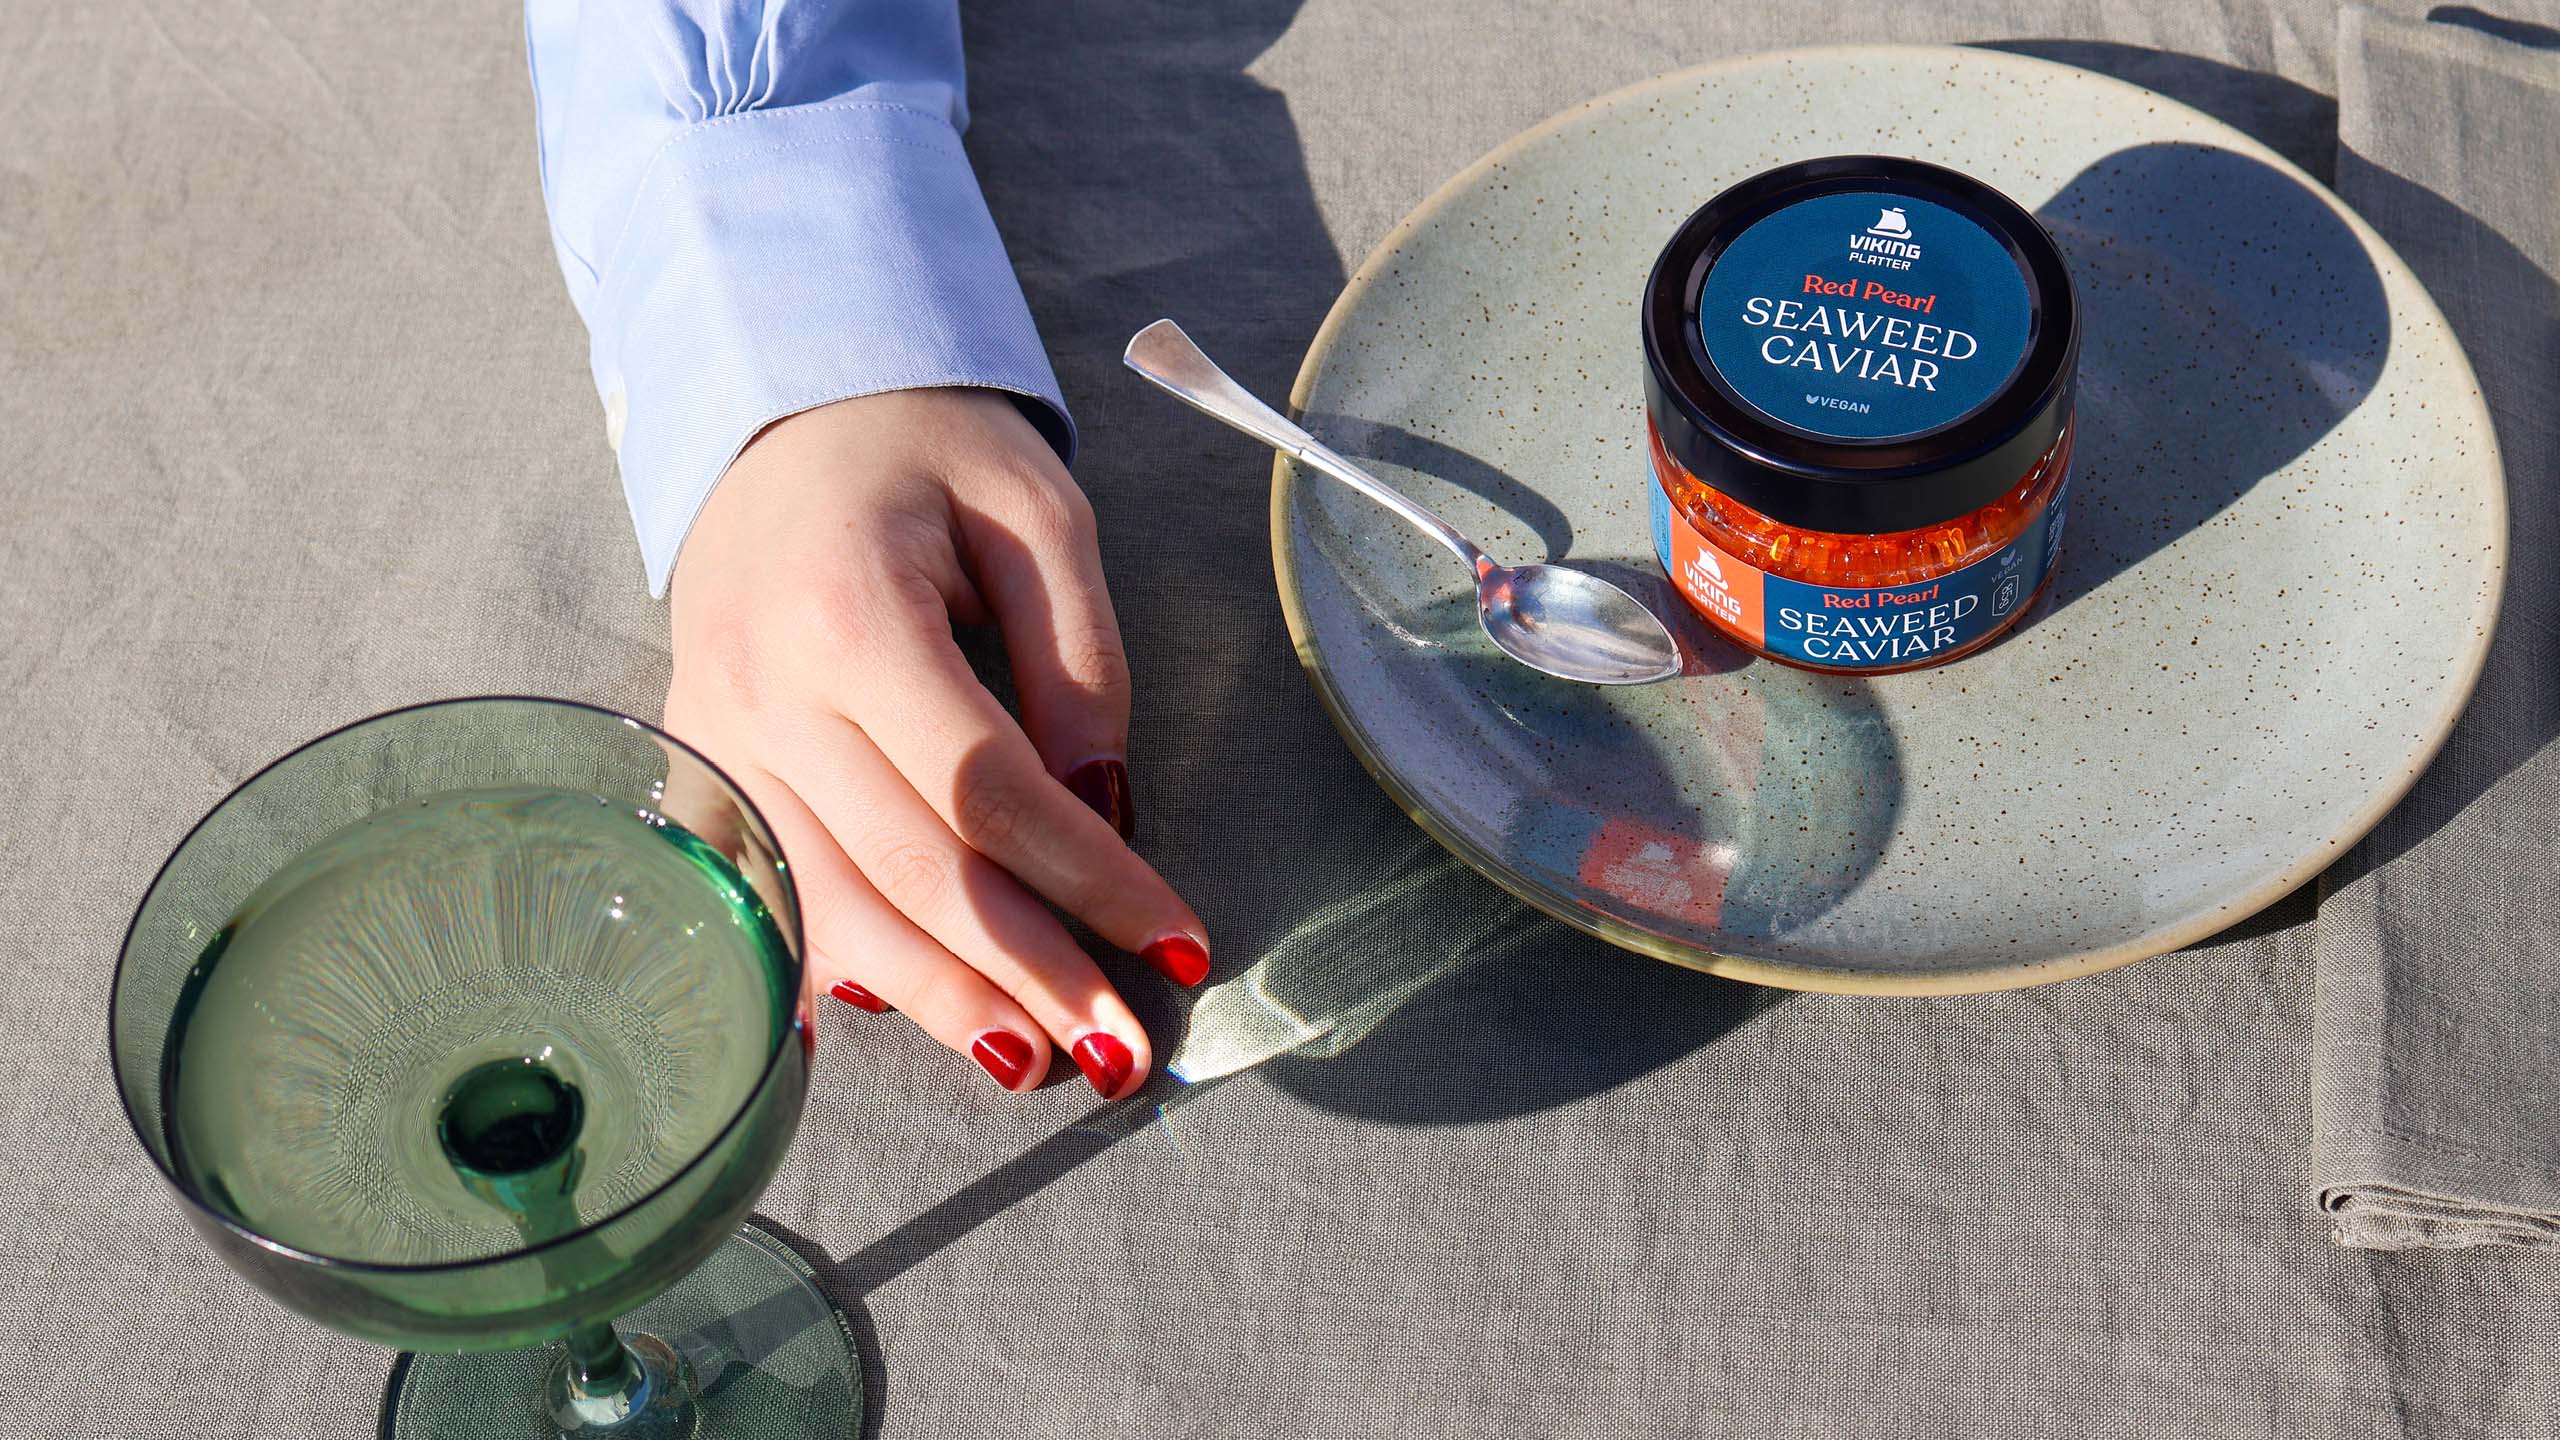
pixel 295 426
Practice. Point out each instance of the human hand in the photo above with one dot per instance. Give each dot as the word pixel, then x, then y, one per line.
pixel 814 660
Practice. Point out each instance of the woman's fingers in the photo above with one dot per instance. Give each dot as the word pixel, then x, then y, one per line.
pixel 818 586
pixel 972 908
pixel 1038 565
pixel 854 937
pixel 918 701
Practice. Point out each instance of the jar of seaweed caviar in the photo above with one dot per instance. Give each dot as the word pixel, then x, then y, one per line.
pixel 1858 396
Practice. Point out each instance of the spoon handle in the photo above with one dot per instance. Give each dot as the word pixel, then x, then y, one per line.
pixel 1163 354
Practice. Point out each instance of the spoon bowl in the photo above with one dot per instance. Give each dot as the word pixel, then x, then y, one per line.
pixel 1574 625
pixel 1560 621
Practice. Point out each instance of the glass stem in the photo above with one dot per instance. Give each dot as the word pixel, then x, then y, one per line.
pixel 613 1388
pixel 600 1365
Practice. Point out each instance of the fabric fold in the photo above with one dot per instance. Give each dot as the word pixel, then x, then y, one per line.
pixel 2436 1053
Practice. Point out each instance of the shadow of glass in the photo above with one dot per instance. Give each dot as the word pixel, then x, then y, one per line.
pixel 1544 1017
pixel 1489 1011
pixel 1779 809
pixel 2230 319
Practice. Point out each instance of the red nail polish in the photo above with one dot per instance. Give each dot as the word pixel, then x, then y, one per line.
pixel 857 997
pixel 1105 1062
pixel 1004 1055
pixel 1103 785
pixel 1178 958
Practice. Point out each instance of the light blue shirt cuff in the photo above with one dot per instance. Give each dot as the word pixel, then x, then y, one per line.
pixel 776 260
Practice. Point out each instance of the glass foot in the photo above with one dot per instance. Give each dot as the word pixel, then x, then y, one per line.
pixel 765 1355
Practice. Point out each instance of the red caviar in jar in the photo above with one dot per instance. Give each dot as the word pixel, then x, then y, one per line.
pixel 1859 392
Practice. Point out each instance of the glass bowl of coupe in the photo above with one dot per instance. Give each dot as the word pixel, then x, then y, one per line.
pixel 475 1027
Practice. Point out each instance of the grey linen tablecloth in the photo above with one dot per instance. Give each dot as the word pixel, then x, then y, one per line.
pixel 295 427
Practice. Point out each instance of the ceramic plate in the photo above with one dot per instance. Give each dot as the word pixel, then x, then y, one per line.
pixel 2283 559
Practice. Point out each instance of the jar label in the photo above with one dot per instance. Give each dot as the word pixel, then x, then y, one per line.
pixel 1841 627
pixel 1865 315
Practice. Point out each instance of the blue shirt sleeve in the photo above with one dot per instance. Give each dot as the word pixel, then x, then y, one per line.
pixel 760 208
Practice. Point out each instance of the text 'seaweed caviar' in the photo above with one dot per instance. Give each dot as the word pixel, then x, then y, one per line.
pixel 1858 396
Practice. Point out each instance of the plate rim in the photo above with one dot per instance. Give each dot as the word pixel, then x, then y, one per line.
pixel 1963 980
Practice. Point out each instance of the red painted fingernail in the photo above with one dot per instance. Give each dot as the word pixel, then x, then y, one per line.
pixel 859 998
pixel 1105 1062
pixel 1178 958
pixel 1103 785
pixel 1004 1055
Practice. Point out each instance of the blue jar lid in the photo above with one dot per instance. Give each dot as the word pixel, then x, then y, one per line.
pixel 1860 344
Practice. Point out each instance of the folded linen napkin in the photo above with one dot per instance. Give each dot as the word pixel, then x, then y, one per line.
pixel 2436 1058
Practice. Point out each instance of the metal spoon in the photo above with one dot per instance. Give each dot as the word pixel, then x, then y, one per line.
pixel 1570 624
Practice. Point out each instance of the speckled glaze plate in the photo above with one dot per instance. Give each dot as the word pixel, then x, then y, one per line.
pixel 2283 559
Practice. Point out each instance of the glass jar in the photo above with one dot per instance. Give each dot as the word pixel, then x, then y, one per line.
pixel 1859 396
